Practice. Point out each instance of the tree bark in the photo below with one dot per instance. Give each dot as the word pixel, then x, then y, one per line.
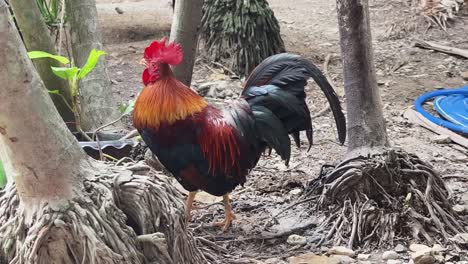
pixel 36 37
pixel 184 30
pixel 366 124
pixel 97 106
pixel 43 156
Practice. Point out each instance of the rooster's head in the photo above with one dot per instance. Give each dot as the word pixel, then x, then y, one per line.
pixel 157 58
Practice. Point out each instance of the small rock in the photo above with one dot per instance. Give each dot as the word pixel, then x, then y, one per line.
pixel 425 259
pixel 344 251
pixel 464 75
pixel 346 260
pixel 296 240
pixel 296 191
pixel 324 249
pixel 461 238
pixel 439 258
pixel 311 258
pixel 363 256
pixel 421 253
pixel 274 261
pixel 442 139
pixel 419 247
pixel 119 10
pixel 438 249
pixel 389 255
pixel 400 248
pixel 393 261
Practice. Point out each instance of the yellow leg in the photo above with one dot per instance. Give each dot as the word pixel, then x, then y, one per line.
pixel 189 205
pixel 229 214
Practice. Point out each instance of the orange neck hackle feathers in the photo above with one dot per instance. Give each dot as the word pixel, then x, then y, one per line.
pixel 164 100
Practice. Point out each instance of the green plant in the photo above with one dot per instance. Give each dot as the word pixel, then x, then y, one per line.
pixel 50 11
pixel 3 179
pixel 127 108
pixel 72 74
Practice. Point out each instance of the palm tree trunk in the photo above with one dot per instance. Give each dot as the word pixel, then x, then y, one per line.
pixel 366 124
pixel 97 106
pixel 184 30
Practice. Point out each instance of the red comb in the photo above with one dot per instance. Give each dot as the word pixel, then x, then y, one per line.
pixel 170 53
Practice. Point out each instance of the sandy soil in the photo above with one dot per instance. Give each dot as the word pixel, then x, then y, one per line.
pixel 309 28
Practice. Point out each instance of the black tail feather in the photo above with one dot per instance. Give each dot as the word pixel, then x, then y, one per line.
pixel 290 72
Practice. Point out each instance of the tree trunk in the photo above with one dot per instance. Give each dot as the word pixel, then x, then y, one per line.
pixel 62 206
pixel 97 106
pixel 36 140
pixel 366 124
pixel 184 30
pixel 36 37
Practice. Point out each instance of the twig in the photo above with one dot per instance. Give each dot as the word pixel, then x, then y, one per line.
pixel 455 176
pixel 285 233
pixel 109 157
pixel 62 15
pixel 419 119
pixel 106 125
pixel 322 112
pixel 441 48
pixel 289 207
pixel 328 58
pixel 225 68
pixel 93 137
pixel 355 226
pixel 131 134
pixel 122 160
pixel 209 205
pixel 212 244
pixel 211 69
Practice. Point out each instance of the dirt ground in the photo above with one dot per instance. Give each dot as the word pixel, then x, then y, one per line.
pixel 309 27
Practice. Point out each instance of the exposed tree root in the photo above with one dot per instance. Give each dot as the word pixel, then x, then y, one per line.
pixel 372 201
pixel 122 218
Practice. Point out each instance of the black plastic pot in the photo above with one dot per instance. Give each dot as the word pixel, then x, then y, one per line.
pixel 109 144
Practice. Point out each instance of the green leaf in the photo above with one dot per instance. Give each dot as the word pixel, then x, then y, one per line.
pixel 91 63
pixel 3 179
pixel 127 108
pixel 65 72
pixel 53 91
pixel 43 54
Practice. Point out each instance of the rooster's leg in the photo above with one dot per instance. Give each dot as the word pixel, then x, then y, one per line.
pixel 189 205
pixel 228 212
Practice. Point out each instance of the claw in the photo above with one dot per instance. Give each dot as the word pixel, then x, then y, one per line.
pixel 227 222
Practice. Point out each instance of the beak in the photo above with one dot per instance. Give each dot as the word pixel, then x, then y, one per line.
pixel 143 62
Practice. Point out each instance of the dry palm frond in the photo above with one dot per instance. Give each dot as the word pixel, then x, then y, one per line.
pixel 241 33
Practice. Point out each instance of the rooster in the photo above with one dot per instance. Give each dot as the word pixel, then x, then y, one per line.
pixel 211 149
